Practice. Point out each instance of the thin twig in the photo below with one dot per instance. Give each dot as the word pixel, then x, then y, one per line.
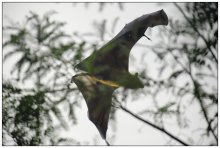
pixel 154 126
pixel 51 90
pixel 198 97
pixel 176 59
pixel 197 31
pixel 204 110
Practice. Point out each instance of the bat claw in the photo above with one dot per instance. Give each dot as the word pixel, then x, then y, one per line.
pixel 147 37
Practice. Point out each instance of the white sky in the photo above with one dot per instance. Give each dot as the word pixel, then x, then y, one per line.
pixel 129 130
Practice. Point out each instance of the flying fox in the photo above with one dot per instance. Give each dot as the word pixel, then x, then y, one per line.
pixel 106 69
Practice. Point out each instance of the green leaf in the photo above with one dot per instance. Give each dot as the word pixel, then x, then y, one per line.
pixel 166 107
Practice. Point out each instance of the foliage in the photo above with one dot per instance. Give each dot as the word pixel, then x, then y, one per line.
pixel 187 50
pixel 29 113
pixel 103 5
pixel 186 54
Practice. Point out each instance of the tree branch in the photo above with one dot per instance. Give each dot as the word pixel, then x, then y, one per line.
pixel 152 125
pixel 197 96
pixel 197 31
pixel 196 87
pixel 51 90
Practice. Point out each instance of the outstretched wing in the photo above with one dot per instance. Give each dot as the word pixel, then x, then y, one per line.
pixel 111 61
pixel 98 96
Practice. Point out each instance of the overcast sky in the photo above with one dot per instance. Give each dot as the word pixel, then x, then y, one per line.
pixel 129 130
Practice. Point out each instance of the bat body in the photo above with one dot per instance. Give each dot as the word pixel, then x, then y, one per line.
pixel 107 69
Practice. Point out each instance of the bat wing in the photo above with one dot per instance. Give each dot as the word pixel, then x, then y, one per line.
pixel 110 65
pixel 98 97
pixel 99 108
pixel 111 61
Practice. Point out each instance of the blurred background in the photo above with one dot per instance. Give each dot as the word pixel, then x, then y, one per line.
pixel 42 42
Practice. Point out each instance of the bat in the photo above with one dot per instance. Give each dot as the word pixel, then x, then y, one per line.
pixel 107 69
